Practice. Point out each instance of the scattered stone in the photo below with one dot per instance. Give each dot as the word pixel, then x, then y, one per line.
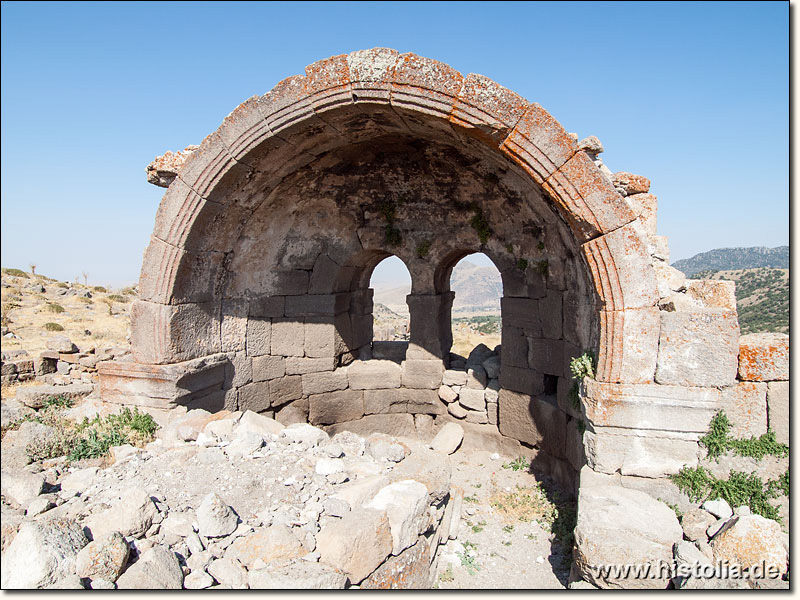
pixel 21 487
pixel 39 505
pixel 78 481
pixel 215 518
pixel 448 439
pixel 305 434
pixel 356 544
pixel 695 522
pixel 157 568
pixel 61 344
pixel 229 572
pixel 719 508
pixel 405 503
pixel 197 580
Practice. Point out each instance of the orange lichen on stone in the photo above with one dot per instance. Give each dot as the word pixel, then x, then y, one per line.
pixel 764 357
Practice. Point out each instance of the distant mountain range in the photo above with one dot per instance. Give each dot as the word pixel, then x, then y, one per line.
pixel 728 259
pixel 478 289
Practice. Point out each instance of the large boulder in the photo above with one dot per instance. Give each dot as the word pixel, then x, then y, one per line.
pixel 620 526
pixel 42 554
pixel 132 514
pixel 405 503
pixel 103 559
pixel 268 544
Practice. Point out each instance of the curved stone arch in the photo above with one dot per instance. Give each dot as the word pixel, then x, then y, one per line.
pixel 205 208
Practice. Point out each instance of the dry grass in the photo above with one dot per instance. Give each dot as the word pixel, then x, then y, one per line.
pixel 27 319
pixel 464 342
pixel 525 504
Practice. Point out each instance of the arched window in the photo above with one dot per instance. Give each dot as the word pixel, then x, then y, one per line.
pixel 391 283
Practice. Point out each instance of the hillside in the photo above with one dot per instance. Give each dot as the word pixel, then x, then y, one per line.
pixel 478 289
pixel 762 297
pixel 729 259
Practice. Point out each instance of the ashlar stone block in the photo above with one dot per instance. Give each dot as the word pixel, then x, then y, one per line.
pixel 698 348
pixel 288 337
pixel 745 405
pixel 778 409
pixel 764 357
pixel 374 375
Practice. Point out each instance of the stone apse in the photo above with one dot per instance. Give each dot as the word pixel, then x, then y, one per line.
pixel 254 292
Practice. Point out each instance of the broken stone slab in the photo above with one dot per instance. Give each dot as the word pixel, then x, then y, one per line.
pixel 454 377
pixel 255 423
pixel 631 184
pixel 161 386
pixel 622 526
pixel 228 572
pixel 448 439
pixel 719 508
pixel 472 399
pixel 297 575
pixel 447 394
pixel 61 344
pixel 356 544
pixel 695 522
pixel 21 487
pixel 764 357
pixel 35 396
pixel 405 503
pixel 411 569
pixel 131 514
pixel 305 433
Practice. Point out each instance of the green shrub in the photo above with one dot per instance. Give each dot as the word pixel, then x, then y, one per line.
pixel 423 248
pixel 54 307
pixel 118 298
pixel 84 300
pixel 53 327
pixel 479 223
pixel 62 285
pixel 99 288
pixel 718 441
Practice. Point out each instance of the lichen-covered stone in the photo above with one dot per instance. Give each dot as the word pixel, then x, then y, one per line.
pixel 764 357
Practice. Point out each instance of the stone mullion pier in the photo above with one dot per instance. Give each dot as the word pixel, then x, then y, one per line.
pixel 431 333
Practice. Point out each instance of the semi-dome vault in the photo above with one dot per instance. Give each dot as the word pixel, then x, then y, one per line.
pixel 254 288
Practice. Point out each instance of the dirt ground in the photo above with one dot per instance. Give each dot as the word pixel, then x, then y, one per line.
pixel 501 544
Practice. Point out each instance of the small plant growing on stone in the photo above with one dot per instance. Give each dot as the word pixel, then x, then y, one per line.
pixel 508 528
pixel 118 298
pixel 542 267
pixel 581 427
pixel 522 264
pixel 583 365
pixel 509 248
pixel 479 223
pixel 479 527
pixel 53 327
pixel 447 574
pixel 540 245
pixel 471 499
pixel 423 248
pixel 718 441
pixel 54 307
pixel 85 300
pixel 468 558
pixel 100 288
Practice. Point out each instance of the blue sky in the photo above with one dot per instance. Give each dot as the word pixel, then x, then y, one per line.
pixel 694 96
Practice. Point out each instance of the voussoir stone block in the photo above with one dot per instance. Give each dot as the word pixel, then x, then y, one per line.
pixel 374 375
pixel 698 348
pixel 764 357
pixel 628 345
